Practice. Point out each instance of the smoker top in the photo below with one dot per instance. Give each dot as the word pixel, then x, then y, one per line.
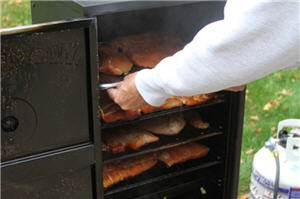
pixel 138 3
pixel 94 8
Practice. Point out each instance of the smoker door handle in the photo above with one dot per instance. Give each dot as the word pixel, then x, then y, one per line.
pixel 109 85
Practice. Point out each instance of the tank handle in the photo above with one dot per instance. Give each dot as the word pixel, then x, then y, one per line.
pixel 293 149
pixel 288 123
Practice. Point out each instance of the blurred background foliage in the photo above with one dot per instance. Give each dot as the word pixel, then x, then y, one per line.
pixel 15 13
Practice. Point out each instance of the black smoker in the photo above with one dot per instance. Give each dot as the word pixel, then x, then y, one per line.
pixel 51 131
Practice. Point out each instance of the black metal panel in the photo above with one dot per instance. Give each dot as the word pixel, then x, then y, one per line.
pixel 47 88
pixel 47 11
pixel 185 20
pixel 117 18
pixel 64 173
pixel 94 8
pixel 95 126
pixel 76 185
pixel 235 113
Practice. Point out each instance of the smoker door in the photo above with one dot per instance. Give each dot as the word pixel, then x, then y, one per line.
pixel 48 90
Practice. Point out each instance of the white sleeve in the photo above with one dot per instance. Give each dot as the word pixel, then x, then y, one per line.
pixel 254 39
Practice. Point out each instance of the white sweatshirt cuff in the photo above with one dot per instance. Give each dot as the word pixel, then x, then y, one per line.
pixel 149 86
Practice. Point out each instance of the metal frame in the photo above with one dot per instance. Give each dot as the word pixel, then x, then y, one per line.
pixel 234 143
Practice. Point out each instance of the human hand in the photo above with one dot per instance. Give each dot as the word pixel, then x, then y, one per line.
pixel 126 95
pixel 236 88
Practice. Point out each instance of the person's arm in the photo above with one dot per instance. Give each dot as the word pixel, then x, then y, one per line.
pixel 254 39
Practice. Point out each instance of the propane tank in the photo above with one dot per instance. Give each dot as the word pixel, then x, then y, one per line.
pixel 276 166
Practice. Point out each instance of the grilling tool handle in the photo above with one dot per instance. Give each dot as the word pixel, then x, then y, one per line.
pixel 109 85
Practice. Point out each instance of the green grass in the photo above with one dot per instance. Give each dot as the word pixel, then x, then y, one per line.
pixel 15 13
pixel 259 93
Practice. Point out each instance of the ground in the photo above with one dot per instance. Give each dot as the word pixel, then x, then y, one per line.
pixel 268 100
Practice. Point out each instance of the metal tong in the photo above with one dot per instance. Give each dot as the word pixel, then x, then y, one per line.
pixel 109 85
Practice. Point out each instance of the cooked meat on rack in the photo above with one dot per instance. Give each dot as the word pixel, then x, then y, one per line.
pixel 194 119
pixel 197 99
pixel 167 125
pixel 169 103
pixel 113 61
pixel 183 153
pixel 172 102
pixel 116 172
pixel 148 49
pixel 118 139
pixel 111 112
pixel 144 50
pixel 179 101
